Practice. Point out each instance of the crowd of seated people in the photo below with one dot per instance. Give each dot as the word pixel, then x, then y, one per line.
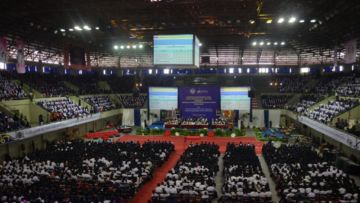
pixel 100 103
pixel 87 84
pixel 12 123
pixel 244 179
pixel 326 112
pixel 274 101
pixel 77 171
pixel 219 121
pixel 194 121
pixel 305 102
pixel 50 85
pixel 62 109
pixel 193 177
pixel 351 88
pixel 173 122
pixel 301 174
pixel 343 124
pixel 293 84
pixel 129 101
pixel 328 85
pixel 10 90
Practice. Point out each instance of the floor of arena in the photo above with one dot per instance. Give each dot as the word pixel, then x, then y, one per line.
pixel 181 143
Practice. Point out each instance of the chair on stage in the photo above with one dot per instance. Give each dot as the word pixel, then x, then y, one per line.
pixel 167 133
pixel 211 133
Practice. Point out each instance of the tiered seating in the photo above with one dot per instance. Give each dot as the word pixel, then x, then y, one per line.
pixel 129 101
pixel 193 177
pixel 82 172
pixel 350 89
pixel 326 112
pixel 87 84
pixel 49 85
pixel 305 102
pixel 8 123
pixel 301 175
pixel 244 179
pixel 328 85
pixel 100 103
pixel 10 90
pixel 293 84
pixel 274 101
pixel 62 109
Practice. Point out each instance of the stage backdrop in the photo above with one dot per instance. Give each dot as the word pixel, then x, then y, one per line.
pixel 199 101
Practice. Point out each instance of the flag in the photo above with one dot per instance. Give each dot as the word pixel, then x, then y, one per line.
pixel 20 66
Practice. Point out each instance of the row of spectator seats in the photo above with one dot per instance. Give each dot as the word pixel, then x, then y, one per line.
pixel 62 109
pixel 302 175
pixel 129 101
pixel 193 177
pixel 9 90
pixel 293 84
pixel 77 171
pixel 326 112
pixel 274 101
pixel 100 103
pixel 351 88
pixel 12 123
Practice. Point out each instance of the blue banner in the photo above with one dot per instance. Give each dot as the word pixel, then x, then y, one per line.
pixel 195 102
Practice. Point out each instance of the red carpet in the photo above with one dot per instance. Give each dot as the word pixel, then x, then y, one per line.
pixel 145 192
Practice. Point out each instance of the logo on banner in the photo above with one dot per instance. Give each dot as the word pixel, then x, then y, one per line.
pixel 192 91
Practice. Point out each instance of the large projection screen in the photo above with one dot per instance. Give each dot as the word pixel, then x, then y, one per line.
pixel 163 98
pixel 174 49
pixel 235 98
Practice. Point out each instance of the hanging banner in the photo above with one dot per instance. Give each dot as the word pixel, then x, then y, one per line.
pixel 20 66
pixel 350 51
pixel 66 56
pixel 3 50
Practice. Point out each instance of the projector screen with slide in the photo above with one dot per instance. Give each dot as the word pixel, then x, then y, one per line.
pixel 235 98
pixel 163 98
pixel 176 50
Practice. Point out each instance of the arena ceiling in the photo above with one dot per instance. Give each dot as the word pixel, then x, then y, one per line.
pixel 222 25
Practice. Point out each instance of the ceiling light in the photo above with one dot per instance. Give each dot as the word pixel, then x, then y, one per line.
pixel 55 32
pixel 275 43
pixel 116 47
pixel 292 20
pixel 71 30
pixel 268 43
pixel 78 28
pixel 261 43
pixel 141 46
pixel 283 43
pixel 302 21
pixel 97 28
pixel 254 43
pixel 62 30
pixel 128 46
pixel 200 44
pixel 312 21
pixel 134 46
pixel 251 21
pixel 86 27
pixel 269 21
pixel 281 20
pixel 122 47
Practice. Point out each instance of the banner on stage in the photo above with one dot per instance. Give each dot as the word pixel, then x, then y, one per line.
pixel 201 101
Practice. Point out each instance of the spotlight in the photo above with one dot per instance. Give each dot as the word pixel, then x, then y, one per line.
pixel 128 46
pixel 122 47
pixel 86 27
pixel 62 30
pixel 141 46
pixel 292 20
pixel 275 43
pixel 71 30
pixel 281 20
pixel 55 32
pixel 283 43
pixel 134 46
pixel 269 21
pixel 302 21
pixel 200 44
pixel 251 21
pixel 116 47
pixel 268 43
pixel 78 28
pixel 254 43
pixel 312 21
pixel 97 28
pixel 261 43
